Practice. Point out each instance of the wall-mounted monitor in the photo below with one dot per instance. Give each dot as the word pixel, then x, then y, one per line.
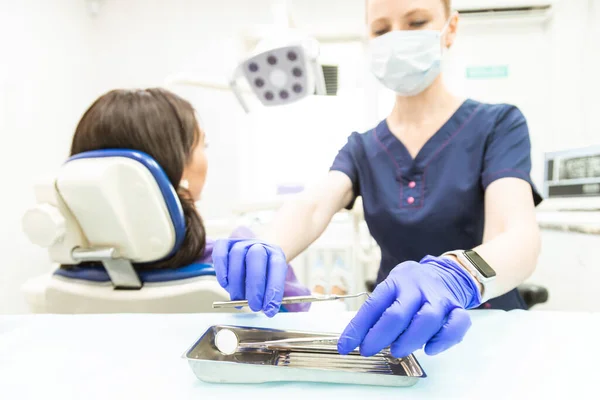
pixel 572 173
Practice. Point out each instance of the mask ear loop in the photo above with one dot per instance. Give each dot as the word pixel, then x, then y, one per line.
pixel 445 28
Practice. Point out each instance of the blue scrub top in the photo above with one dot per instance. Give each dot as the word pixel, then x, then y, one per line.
pixel 435 202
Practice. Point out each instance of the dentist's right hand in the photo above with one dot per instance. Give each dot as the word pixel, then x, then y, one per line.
pixel 251 270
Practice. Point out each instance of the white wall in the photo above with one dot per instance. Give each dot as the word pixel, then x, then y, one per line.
pixel 568 266
pixel 575 67
pixel 44 69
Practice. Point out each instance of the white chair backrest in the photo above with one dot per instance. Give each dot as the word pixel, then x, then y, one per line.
pixel 118 203
pixel 119 208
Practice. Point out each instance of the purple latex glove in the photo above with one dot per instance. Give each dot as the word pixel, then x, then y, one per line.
pixel 418 304
pixel 252 270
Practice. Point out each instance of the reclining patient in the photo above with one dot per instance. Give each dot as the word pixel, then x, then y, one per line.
pixel 164 126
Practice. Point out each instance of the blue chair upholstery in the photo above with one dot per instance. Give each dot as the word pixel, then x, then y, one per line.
pixel 97 273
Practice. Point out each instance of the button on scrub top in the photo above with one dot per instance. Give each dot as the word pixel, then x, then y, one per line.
pixel 435 202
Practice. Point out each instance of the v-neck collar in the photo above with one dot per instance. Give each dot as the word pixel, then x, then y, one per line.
pixel 398 151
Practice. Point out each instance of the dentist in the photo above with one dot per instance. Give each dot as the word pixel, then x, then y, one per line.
pixel 446 190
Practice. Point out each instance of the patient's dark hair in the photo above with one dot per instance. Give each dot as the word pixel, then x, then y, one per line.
pixel 161 124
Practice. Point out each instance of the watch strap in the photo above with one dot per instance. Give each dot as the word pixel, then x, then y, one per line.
pixel 486 283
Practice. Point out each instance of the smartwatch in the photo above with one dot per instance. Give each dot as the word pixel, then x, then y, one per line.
pixel 477 267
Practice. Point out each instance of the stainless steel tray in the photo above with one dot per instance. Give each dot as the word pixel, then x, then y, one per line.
pixel 311 364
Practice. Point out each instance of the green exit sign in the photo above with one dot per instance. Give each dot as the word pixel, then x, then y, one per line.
pixel 487 72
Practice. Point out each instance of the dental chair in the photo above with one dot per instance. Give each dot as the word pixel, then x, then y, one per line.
pixel 106 214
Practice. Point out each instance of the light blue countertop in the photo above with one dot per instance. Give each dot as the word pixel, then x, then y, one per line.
pixel 524 355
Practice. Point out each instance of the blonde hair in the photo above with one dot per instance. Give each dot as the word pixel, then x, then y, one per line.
pixel 447 7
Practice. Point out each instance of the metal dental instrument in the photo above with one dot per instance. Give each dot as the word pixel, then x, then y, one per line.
pixel 228 343
pixel 290 300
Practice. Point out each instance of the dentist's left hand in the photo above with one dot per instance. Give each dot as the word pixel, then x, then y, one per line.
pixel 252 270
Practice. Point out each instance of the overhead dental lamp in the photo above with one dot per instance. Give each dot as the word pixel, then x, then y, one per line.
pixel 282 70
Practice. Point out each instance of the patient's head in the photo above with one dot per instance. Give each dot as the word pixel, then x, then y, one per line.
pixel 163 125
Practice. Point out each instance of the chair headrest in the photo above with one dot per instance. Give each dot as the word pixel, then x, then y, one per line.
pixel 115 198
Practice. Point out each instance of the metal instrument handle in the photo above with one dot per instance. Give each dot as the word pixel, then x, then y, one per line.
pixel 288 300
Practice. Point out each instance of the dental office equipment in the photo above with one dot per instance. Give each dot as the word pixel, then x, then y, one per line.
pixel 228 343
pixel 290 360
pixel 290 300
pixel 281 72
pixel 113 209
pixel 573 174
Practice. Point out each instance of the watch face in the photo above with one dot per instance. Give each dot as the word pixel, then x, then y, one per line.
pixel 478 262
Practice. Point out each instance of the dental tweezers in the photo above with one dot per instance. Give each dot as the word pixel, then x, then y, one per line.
pixel 290 300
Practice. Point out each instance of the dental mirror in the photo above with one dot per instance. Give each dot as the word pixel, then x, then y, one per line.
pixel 228 343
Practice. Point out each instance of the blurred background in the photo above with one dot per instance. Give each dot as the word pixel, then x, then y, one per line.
pixel 58 56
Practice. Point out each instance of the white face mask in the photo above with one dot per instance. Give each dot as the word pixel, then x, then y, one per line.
pixel 407 62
